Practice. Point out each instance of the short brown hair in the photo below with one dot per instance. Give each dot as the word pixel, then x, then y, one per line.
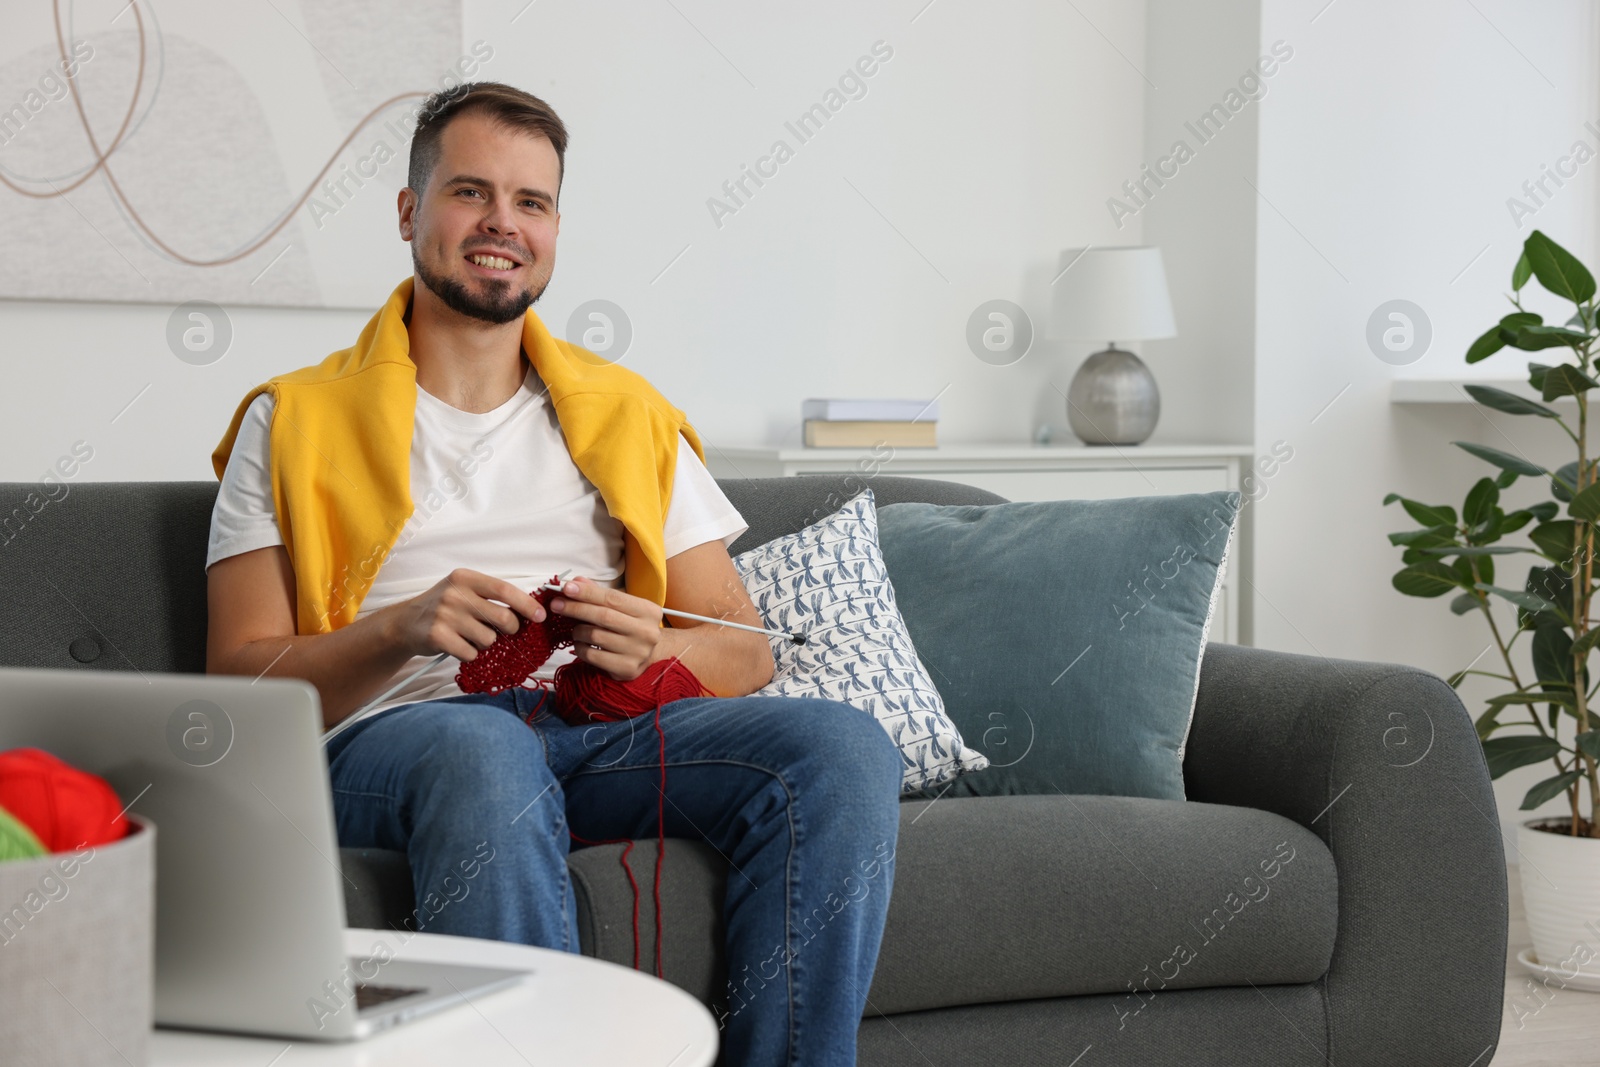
pixel 505 104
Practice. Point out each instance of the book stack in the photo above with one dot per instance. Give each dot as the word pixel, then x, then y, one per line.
pixel 867 423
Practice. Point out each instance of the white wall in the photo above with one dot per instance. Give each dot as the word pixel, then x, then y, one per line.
pixel 1388 148
pixel 1203 219
pixel 987 143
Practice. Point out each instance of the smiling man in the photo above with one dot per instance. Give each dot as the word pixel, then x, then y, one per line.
pixel 534 456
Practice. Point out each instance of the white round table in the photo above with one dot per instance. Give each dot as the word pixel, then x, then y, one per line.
pixel 572 1010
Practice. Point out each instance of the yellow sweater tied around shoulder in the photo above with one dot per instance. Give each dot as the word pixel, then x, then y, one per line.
pixel 341 457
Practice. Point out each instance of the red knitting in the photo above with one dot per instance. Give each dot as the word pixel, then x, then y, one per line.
pixel 586 694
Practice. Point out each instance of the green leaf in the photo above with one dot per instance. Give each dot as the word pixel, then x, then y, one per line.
pixel 1525 601
pixel 1556 697
pixel 1432 537
pixel 1557 269
pixel 1441 551
pixel 1544 510
pixel 1500 334
pixel 1521 272
pixel 1504 460
pixel 1531 697
pixel 1510 403
pixel 1554 539
pixel 1480 502
pixel 1566 380
pixel 1426 580
pixel 1552 655
pixel 1464 603
pixel 1427 514
pixel 1538 338
pixel 1487 723
pixel 1505 479
pixel 1511 523
pixel 1552 585
pixel 1565 477
pixel 1589 743
pixel 1487 344
pixel 1586 505
pixel 1548 789
pixel 1508 753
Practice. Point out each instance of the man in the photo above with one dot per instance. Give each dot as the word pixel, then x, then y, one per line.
pixel 401 498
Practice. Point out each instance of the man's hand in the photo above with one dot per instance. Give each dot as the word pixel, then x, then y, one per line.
pixel 459 615
pixel 626 628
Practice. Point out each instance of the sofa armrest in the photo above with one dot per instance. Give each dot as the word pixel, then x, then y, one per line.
pixel 1382 762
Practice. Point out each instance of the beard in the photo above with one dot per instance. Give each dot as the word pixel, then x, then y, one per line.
pixel 499 305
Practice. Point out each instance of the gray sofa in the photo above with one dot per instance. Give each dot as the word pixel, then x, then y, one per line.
pixel 1057 929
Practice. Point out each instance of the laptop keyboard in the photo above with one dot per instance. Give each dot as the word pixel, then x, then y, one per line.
pixel 369 995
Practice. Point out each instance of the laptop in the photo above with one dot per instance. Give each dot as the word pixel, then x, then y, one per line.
pixel 250 916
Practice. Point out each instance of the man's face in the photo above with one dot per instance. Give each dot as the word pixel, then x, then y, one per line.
pixel 483 233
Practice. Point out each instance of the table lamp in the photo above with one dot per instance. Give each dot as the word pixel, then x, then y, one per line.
pixel 1112 294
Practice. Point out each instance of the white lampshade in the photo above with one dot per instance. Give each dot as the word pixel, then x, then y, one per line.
pixel 1112 294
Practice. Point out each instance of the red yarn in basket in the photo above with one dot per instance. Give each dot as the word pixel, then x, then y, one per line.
pixel 64 807
pixel 586 694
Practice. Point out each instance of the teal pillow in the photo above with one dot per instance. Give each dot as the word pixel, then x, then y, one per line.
pixel 1065 635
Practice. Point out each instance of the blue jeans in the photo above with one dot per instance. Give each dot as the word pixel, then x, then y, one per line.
pixel 801 796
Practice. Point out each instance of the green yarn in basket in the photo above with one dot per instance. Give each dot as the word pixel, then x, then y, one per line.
pixel 17 842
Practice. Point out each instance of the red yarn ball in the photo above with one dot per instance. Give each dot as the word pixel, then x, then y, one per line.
pixel 64 807
pixel 586 694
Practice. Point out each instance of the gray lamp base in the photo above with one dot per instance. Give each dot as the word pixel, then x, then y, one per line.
pixel 1113 399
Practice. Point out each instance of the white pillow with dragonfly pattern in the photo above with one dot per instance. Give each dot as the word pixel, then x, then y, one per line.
pixel 829 580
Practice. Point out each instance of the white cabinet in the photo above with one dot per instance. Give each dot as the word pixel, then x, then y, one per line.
pixel 1037 472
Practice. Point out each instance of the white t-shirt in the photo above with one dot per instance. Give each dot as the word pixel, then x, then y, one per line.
pixel 495 492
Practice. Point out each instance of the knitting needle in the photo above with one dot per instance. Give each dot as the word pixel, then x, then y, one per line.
pixel 386 694
pixel 797 638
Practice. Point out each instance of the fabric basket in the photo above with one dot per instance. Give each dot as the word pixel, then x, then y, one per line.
pixel 77 954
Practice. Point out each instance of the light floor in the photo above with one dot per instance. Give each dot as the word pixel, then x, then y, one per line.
pixel 1558 1027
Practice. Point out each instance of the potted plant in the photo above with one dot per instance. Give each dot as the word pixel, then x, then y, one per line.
pixel 1455 553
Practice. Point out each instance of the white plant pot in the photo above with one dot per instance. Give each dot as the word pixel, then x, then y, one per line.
pixel 1561 894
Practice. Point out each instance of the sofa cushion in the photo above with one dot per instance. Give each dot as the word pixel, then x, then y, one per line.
pixel 1064 635
pixel 1010 898
pixel 828 581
